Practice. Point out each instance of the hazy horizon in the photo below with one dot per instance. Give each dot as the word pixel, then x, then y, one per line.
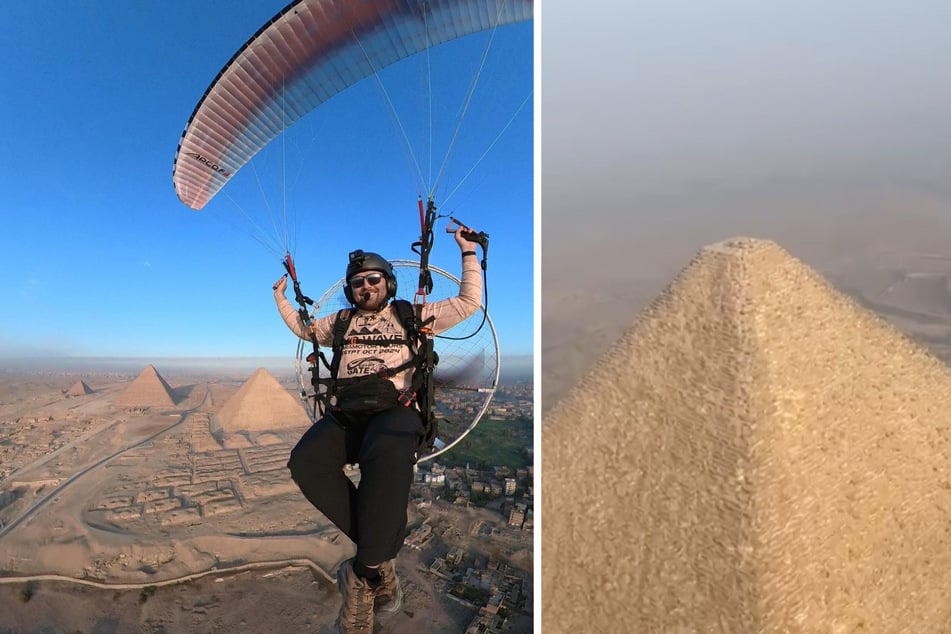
pixel 511 367
pixel 671 125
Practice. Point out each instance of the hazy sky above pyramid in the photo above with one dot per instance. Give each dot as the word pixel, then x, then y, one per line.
pixel 671 124
pixel 674 104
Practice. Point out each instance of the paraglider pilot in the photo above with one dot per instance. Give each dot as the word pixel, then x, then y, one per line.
pixel 373 424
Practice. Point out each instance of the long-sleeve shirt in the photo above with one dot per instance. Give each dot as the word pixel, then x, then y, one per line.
pixel 359 356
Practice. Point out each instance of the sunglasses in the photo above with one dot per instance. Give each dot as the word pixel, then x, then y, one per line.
pixel 372 279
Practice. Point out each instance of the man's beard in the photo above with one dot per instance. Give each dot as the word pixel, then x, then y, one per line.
pixel 375 301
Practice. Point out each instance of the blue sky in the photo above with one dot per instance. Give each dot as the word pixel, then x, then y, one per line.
pixel 99 258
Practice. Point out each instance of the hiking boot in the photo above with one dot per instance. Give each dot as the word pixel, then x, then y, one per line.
pixel 389 594
pixel 356 613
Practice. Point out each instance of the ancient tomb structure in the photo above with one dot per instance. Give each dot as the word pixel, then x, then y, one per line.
pixel 79 388
pixel 148 389
pixel 757 453
pixel 262 403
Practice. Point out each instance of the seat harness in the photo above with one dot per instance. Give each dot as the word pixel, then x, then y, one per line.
pixel 423 360
pixel 419 338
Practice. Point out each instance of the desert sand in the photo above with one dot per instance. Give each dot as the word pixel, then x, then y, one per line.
pixel 138 504
pixel 757 452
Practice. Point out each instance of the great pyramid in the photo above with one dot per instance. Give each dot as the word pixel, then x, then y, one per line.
pixel 148 389
pixel 757 453
pixel 262 403
pixel 79 388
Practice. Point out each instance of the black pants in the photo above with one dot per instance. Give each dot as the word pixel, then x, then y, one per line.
pixel 373 516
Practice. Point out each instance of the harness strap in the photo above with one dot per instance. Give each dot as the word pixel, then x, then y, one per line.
pixel 422 357
pixel 321 403
pixel 339 332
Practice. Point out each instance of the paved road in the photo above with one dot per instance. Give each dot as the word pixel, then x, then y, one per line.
pixel 36 506
pixel 258 565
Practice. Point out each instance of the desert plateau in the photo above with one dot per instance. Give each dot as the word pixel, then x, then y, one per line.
pixel 132 503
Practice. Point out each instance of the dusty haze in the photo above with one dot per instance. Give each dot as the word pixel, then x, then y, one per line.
pixel 668 125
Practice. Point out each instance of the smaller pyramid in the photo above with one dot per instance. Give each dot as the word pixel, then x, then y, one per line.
pixel 262 403
pixel 148 389
pixel 79 388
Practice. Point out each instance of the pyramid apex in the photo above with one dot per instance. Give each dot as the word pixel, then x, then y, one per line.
pixel 741 244
pixel 752 446
pixel 79 388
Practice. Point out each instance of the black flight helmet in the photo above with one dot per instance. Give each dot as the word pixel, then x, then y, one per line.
pixel 361 261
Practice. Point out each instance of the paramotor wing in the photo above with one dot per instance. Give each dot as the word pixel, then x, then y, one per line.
pixel 307 53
